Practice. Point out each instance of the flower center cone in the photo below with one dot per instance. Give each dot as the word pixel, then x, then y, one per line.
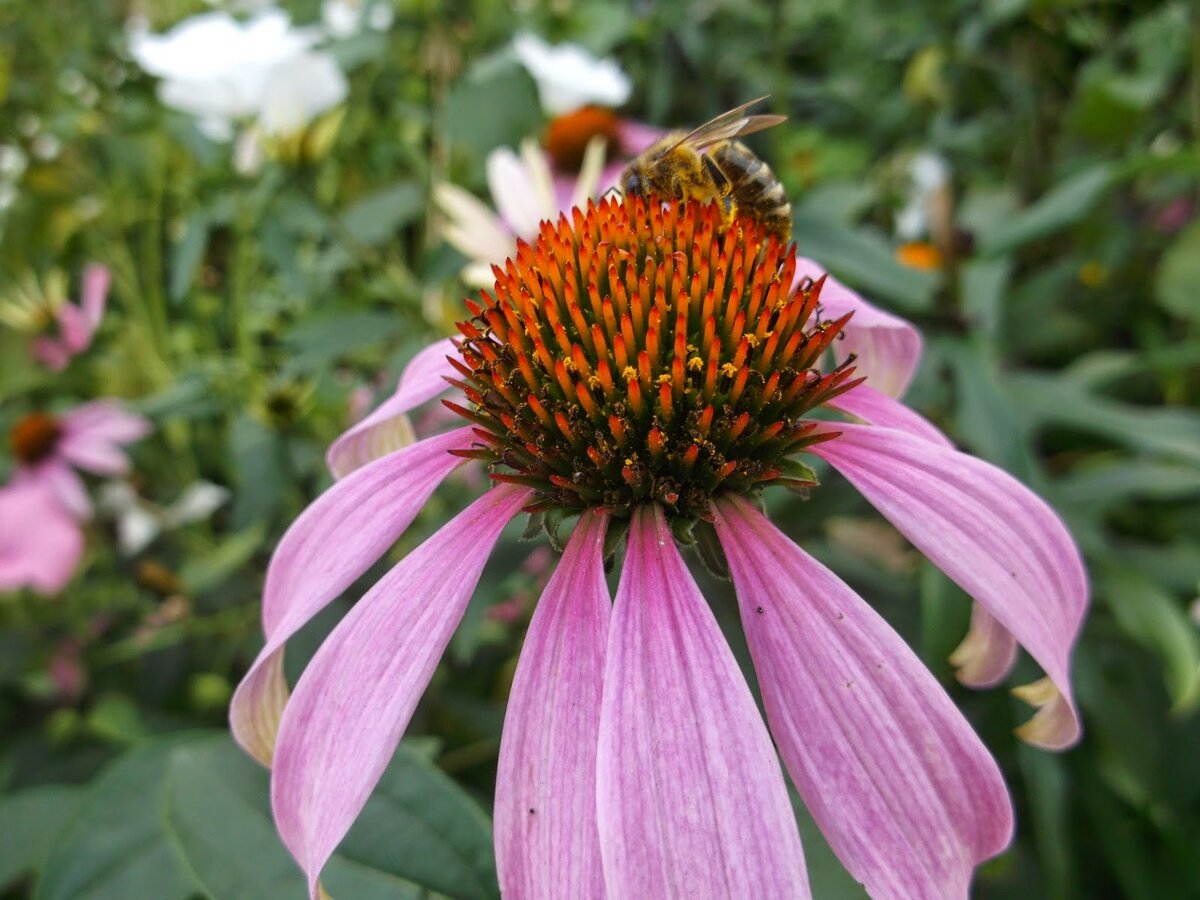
pixel 642 352
pixel 34 438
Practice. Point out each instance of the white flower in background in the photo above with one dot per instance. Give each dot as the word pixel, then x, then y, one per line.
pixel 46 147
pixel 12 162
pixel 525 192
pixel 222 70
pixel 346 18
pixel 139 521
pixel 569 77
pixel 298 90
pixel 929 176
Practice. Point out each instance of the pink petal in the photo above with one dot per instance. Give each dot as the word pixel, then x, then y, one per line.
pixel 356 697
pixel 62 481
pixel 96 280
pixel 986 654
pixel 888 348
pixel 40 543
pixel 341 534
pixel 691 801
pixel 92 454
pixel 547 842
pixel 51 353
pixel 93 433
pixel 877 408
pixel 636 136
pixel 387 428
pixel 906 793
pixel 996 539
pixel 74 328
pixel 106 420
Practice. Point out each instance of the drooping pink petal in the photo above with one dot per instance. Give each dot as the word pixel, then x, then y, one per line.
pixel 690 798
pixel 547 842
pixel 106 420
pixel 356 697
pixel 40 542
pixel 877 408
pixel 76 323
pixel 74 328
pixel 387 428
pixel 993 536
pixel 63 482
pixel 888 348
pixel 51 353
pixel 341 534
pixel 986 655
pixel 92 435
pixel 91 454
pixel 906 793
pixel 94 296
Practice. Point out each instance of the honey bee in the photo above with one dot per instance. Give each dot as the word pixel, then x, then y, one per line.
pixel 708 164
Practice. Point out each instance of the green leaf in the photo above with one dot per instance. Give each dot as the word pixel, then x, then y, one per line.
pixel 1103 483
pixel 201 573
pixel 1166 431
pixel 1065 204
pixel 116 718
pixel 826 875
pixel 1046 797
pixel 256 454
pixel 188 254
pixel 987 420
pixel 117 847
pixel 420 826
pixel 864 260
pixel 1177 284
pixel 1150 616
pixel 945 616
pixel 376 217
pixel 190 816
pixel 318 339
pixel 30 820
pixel 495 105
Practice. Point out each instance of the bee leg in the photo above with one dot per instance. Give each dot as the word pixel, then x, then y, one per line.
pixel 722 185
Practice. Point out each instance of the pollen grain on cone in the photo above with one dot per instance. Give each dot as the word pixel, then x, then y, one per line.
pixel 641 351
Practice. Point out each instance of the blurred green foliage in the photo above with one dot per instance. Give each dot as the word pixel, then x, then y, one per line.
pixel 1063 343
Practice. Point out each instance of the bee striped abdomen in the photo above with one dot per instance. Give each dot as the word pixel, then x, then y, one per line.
pixel 754 187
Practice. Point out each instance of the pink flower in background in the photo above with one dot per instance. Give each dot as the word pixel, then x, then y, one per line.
pixel 40 541
pixel 48 448
pixel 640 368
pixel 76 324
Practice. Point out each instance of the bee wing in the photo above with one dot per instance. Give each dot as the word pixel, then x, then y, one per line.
pixel 728 125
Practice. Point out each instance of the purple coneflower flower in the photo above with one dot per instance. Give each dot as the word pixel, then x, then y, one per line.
pixel 40 541
pixel 76 324
pixel 49 448
pixel 647 370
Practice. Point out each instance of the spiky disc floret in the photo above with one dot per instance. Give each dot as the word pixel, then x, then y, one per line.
pixel 641 351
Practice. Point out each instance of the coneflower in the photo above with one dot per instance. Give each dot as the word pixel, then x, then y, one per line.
pixel 646 373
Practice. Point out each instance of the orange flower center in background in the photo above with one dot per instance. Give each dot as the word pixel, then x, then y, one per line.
pixel 567 136
pixel 34 437
pixel 641 351
pixel 919 255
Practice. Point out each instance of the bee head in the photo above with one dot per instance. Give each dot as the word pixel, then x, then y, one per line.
pixel 632 184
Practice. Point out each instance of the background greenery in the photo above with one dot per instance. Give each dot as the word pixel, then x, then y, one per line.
pixel 1063 344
